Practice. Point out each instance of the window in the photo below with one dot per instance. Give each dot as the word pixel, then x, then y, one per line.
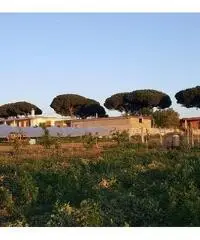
pixel 68 123
pixel 48 123
pixel 140 120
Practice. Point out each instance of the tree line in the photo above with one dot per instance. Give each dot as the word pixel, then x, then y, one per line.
pixel 138 102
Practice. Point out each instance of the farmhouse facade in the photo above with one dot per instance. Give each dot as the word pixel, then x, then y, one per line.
pixel 33 121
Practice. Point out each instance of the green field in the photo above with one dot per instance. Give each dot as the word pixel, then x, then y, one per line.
pixel 122 186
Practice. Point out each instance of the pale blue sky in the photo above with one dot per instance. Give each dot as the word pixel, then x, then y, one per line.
pixel 97 55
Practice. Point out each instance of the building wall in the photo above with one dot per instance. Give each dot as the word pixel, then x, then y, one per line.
pixel 114 123
pixel 118 123
pixel 19 123
pixel 35 121
pixel 195 124
pixel 38 120
pixel 61 123
pixel 190 124
pixel 136 123
pixel 11 123
pixel 23 123
pixel 49 121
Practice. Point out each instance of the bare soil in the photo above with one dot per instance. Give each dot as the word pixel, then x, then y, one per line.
pixel 65 149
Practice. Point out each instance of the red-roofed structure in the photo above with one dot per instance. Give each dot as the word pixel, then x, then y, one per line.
pixel 192 122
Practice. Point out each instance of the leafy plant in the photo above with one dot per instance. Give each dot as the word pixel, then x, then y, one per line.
pixel 89 140
pixel 87 215
pixel 46 140
pixel 121 137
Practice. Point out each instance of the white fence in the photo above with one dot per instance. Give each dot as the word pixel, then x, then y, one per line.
pixel 152 131
pixel 158 131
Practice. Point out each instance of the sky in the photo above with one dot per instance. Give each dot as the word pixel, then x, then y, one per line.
pixel 97 55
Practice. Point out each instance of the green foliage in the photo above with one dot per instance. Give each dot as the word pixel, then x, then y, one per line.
pixel 124 187
pixel 22 186
pixel 42 125
pixel 18 223
pixel 145 111
pixel 166 118
pixel 46 140
pixel 57 145
pixel 89 110
pixel 76 105
pixel 89 140
pixel 147 98
pixel 138 102
pixel 6 201
pixel 18 108
pixel 67 104
pixel 17 145
pixel 18 194
pixel 121 137
pixel 189 97
pixel 86 215
pixel 117 102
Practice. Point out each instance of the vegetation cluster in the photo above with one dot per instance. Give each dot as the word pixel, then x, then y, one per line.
pixel 123 186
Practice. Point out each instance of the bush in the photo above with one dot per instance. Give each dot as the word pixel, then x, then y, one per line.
pixel 46 140
pixel 121 137
pixel 87 215
pixel 89 141
pixel 6 200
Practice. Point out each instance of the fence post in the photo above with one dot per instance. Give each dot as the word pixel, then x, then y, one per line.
pixel 161 138
pixel 147 139
pixel 192 137
pixel 198 139
pixel 142 134
pixel 130 133
pixel 188 136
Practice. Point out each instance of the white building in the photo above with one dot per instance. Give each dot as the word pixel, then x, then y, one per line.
pixel 33 120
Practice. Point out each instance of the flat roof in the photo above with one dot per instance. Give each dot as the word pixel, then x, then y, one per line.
pixel 111 118
pixel 33 117
pixel 191 119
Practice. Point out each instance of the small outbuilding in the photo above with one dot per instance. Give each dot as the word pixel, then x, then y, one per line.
pixel 193 122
